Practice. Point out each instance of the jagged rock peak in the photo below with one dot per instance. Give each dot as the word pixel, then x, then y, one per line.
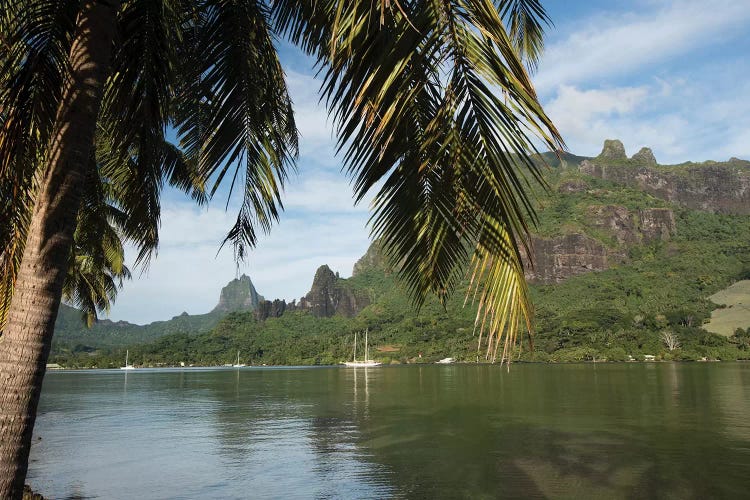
pixel 613 150
pixel 645 156
pixel 239 294
pixel 324 274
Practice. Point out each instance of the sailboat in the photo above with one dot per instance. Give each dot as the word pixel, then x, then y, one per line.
pixel 238 364
pixel 367 362
pixel 127 366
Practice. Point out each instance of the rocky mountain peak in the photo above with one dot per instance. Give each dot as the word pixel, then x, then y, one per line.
pixel 645 156
pixel 373 259
pixel 239 294
pixel 613 150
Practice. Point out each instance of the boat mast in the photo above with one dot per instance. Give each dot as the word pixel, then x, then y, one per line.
pixel 367 352
pixel 127 353
pixel 355 345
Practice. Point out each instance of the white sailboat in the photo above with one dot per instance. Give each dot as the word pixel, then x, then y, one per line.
pixel 238 364
pixel 367 361
pixel 127 366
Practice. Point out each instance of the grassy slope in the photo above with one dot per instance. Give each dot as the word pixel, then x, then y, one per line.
pixel 736 313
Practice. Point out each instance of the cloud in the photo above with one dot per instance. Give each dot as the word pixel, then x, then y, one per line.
pixel 574 111
pixel 188 273
pixel 681 120
pixel 665 75
pixel 605 44
pixel 322 192
pixel 316 129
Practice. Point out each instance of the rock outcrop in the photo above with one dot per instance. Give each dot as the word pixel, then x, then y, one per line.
pixel 238 295
pixel 273 308
pixel 719 187
pixel 373 259
pixel 645 157
pixel 556 259
pixel 329 296
pixel 572 186
pixel 656 224
pixel 613 150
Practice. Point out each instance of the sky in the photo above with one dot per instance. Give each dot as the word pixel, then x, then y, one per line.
pixel 668 74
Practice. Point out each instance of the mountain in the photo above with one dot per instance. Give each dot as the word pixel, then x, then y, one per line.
pixel 239 294
pixel 329 296
pixel 718 187
pixel 72 335
pixel 615 265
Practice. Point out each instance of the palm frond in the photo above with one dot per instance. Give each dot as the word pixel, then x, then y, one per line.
pixel 96 268
pixel 33 69
pixel 435 110
pixel 132 151
pixel 525 21
pixel 235 115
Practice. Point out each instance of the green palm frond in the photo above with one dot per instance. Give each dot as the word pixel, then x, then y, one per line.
pixel 132 151
pixel 96 266
pixel 33 67
pixel 526 20
pixel 435 110
pixel 235 115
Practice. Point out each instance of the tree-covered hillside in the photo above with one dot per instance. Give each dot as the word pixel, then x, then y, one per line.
pixel 656 265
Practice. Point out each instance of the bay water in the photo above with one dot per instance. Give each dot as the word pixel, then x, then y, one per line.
pixel 628 430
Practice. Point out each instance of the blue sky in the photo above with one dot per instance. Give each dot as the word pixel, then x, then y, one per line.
pixel 672 75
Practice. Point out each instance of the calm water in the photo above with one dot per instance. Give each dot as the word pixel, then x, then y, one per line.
pixel 540 431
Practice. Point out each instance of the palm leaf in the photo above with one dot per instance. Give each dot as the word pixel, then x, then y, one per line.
pixel 235 115
pixel 432 104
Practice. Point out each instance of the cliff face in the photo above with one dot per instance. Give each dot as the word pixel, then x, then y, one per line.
pixel 237 295
pixel 556 259
pixel 329 296
pixel 710 186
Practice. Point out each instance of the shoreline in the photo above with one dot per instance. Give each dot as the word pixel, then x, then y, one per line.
pixel 341 365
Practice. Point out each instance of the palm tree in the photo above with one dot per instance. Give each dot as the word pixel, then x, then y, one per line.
pixel 431 101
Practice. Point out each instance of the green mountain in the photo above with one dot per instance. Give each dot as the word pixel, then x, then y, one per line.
pixel 72 336
pixel 623 265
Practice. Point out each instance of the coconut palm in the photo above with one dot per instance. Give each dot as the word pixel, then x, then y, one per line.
pixel 432 104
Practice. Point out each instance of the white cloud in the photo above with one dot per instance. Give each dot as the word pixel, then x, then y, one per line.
pixel 615 45
pixel 670 75
pixel 188 274
pixel 577 113
pixel 322 192
pixel 316 129
pixel 680 120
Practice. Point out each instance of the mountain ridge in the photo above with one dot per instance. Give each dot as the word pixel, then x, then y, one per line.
pixel 589 225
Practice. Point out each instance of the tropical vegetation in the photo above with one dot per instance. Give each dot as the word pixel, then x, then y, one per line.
pixel 655 304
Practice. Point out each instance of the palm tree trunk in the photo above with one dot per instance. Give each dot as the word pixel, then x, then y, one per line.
pixel 26 341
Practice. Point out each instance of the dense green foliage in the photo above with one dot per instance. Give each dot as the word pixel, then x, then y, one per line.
pixel 624 311
pixel 73 336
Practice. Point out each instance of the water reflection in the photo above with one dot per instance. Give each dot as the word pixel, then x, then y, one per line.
pixel 620 431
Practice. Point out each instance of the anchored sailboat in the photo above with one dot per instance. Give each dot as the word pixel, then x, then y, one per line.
pixel 127 366
pixel 367 361
pixel 238 364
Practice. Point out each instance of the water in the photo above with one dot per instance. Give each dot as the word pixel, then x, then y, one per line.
pixel 540 431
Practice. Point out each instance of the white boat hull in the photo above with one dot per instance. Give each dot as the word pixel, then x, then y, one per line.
pixel 362 364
